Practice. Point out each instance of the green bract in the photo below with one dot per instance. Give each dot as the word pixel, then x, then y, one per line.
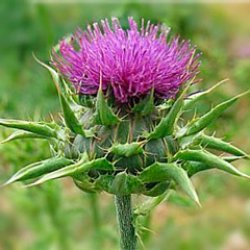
pixel 131 149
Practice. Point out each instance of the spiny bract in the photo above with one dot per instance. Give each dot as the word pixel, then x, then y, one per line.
pixel 121 131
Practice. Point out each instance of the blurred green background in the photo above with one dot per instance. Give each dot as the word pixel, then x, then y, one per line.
pixel 57 215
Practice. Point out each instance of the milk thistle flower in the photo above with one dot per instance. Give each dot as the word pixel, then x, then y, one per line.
pixel 132 62
pixel 123 129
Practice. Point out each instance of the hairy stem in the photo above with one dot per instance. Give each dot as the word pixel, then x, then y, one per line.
pixel 125 221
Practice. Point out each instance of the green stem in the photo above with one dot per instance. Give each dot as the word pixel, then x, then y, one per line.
pixel 125 221
pixel 97 240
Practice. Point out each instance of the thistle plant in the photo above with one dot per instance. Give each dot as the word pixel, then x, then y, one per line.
pixel 123 129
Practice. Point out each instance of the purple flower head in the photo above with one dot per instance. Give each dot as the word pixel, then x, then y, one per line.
pixel 131 62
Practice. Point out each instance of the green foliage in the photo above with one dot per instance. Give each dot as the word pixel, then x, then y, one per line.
pixel 159 172
pixel 17 135
pixel 70 119
pixel 39 128
pixel 167 124
pixel 69 116
pixel 218 144
pixel 191 100
pixel 211 160
pixel 104 114
pixel 135 166
pixel 79 167
pixel 202 122
pixel 40 168
pixel 127 149
pixel 124 184
pixel 146 105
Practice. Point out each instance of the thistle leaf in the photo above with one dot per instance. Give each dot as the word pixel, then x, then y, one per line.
pixel 60 84
pixel 85 184
pixel 121 184
pixel 234 158
pixel 190 140
pixel 194 167
pixel 39 168
pixel 167 124
pixel 209 159
pixel 104 182
pixel 193 99
pixel 150 204
pixel 79 167
pixel 158 172
pixel 22 135
pixel 104 114
pixel 158 189
pixel 124 184
pixel 70 118
pixel 218 144
pixel 127 149
pixel 202 122
pixel 146 105
pixel 53 73
pixel 167 104
pixel 39 128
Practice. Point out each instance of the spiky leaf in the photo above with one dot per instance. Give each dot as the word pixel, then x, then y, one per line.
pixel 70 118
pixel 194 167
pixel 218 144
pixel 145 106
pixel 104 113
pixel 158 189
pixel 150 204
pixel 234 158
pixel 79 167
pixel 167 124
pixel 39 128
pixel 104 182
pixel 127 149
pixel 158 172
pixel 39 168
pixel 209 159
pixel 124 184
pixel 194 98
pixel 22 135
pixel 202 122
pixel 55 76
pixel 85 184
